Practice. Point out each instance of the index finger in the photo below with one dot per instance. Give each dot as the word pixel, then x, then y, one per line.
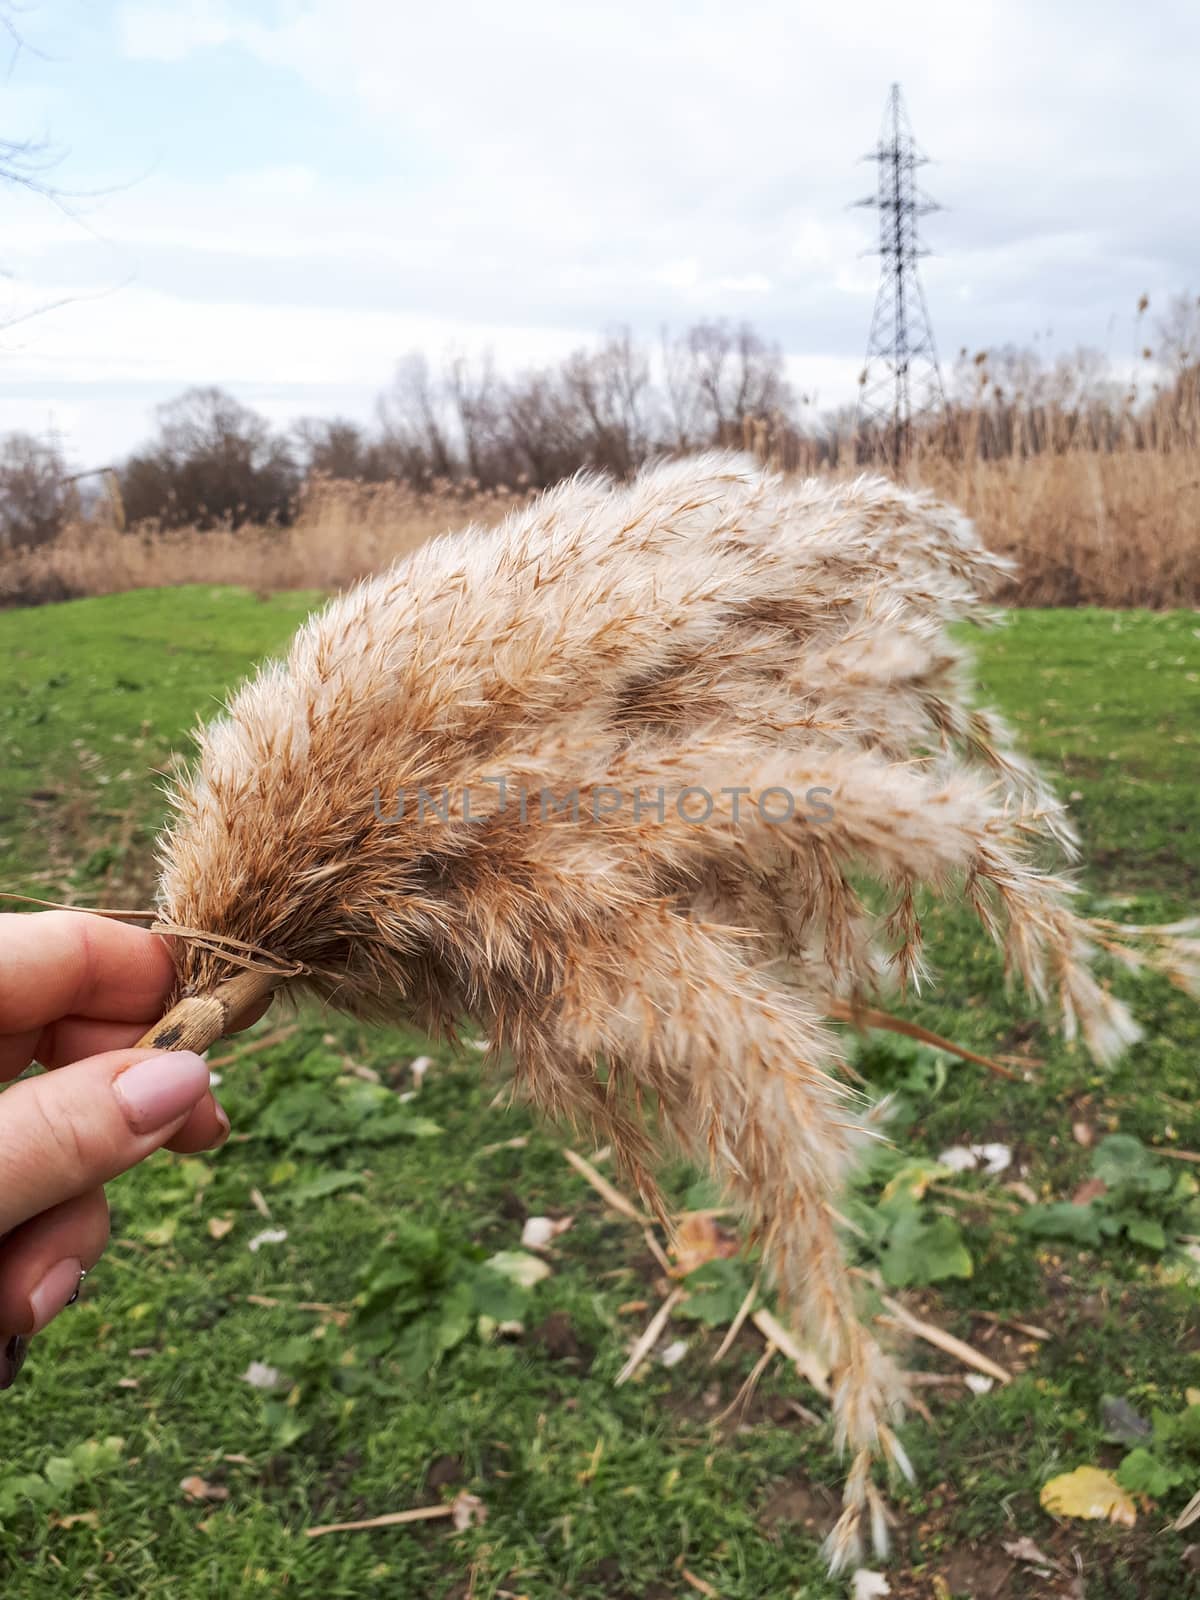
pixel 69 963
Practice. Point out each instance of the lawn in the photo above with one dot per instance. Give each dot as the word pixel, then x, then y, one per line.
pixel 365 1249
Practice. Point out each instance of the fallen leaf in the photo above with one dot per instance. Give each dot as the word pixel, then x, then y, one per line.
pixel 540 1232
pixel 77 1519
pixel 959 1158
pixel 996 1158
pixel 1024 1549
pixel 701 1585
pixel 1083 1134
pixel 867 1585
pixel 467 1511
pixel 978 1383
pixel 674 1353
pixel 1088 1191
pixel 419 1068
pixel 195 1488
pixel 1089 1493
pixel 218 1227
pixel 992 1159
pixel 267 1236
pixel 700 1239
pixel 519 1267
pixel 1122 1422
pixel 260 1376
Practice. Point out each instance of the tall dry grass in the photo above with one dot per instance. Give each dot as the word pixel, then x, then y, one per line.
pixel 342 532
pixel 1118 527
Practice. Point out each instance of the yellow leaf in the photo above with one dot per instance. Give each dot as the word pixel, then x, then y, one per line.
pixel 195 1488
pixel 1088 1492
pixel 218 1227
pixel 1192 1396
pixel 699 1239
pixel 80 1519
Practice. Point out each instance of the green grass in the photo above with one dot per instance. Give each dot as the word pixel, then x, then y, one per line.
pixel 591 1491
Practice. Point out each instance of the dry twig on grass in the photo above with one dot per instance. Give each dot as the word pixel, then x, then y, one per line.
pixel 941 1340
pixel 390 1519
pixel 650 1336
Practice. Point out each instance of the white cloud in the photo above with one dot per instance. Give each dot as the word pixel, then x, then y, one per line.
pixel 144 334
pixel 536 172
pixel 171 33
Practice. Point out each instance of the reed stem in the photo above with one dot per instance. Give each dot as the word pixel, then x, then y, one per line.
pixel 200 1020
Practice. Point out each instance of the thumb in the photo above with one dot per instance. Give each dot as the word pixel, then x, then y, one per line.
pixel 66 1132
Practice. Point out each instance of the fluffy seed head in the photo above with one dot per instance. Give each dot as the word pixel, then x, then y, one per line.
pixel 607 779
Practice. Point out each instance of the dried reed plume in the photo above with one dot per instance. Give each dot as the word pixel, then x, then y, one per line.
pixel 653 659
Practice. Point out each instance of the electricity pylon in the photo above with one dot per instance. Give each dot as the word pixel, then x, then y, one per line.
pixel 901 379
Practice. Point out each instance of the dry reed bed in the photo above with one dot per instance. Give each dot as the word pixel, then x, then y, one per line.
pixel 344 531
pixel 1087 528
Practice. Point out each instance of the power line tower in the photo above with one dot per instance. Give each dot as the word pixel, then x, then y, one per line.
pixel 901 379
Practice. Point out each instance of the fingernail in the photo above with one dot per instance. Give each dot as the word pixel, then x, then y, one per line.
pixel 56 1290
pixel 11 1359
pixel 223 1120
pixel 159 1090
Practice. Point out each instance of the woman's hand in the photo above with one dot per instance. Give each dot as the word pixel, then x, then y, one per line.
pixel 76 991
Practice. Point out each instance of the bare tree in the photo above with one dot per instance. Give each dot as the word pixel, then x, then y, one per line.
pixel 684 405
pixel 475 398
pixel 1179 334
pixel 610 389
pixel 718 376
pixel 36 498
pixel 215 462
pixel 413 419
pixel 542 428
pixel 335 448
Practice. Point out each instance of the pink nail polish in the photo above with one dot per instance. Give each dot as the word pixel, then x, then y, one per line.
pixel 158 1091
pixel 54 1292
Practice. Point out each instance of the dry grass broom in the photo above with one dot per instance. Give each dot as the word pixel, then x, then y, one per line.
pixel 599 779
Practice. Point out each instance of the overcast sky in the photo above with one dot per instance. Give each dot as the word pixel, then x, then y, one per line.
pixel 284 196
